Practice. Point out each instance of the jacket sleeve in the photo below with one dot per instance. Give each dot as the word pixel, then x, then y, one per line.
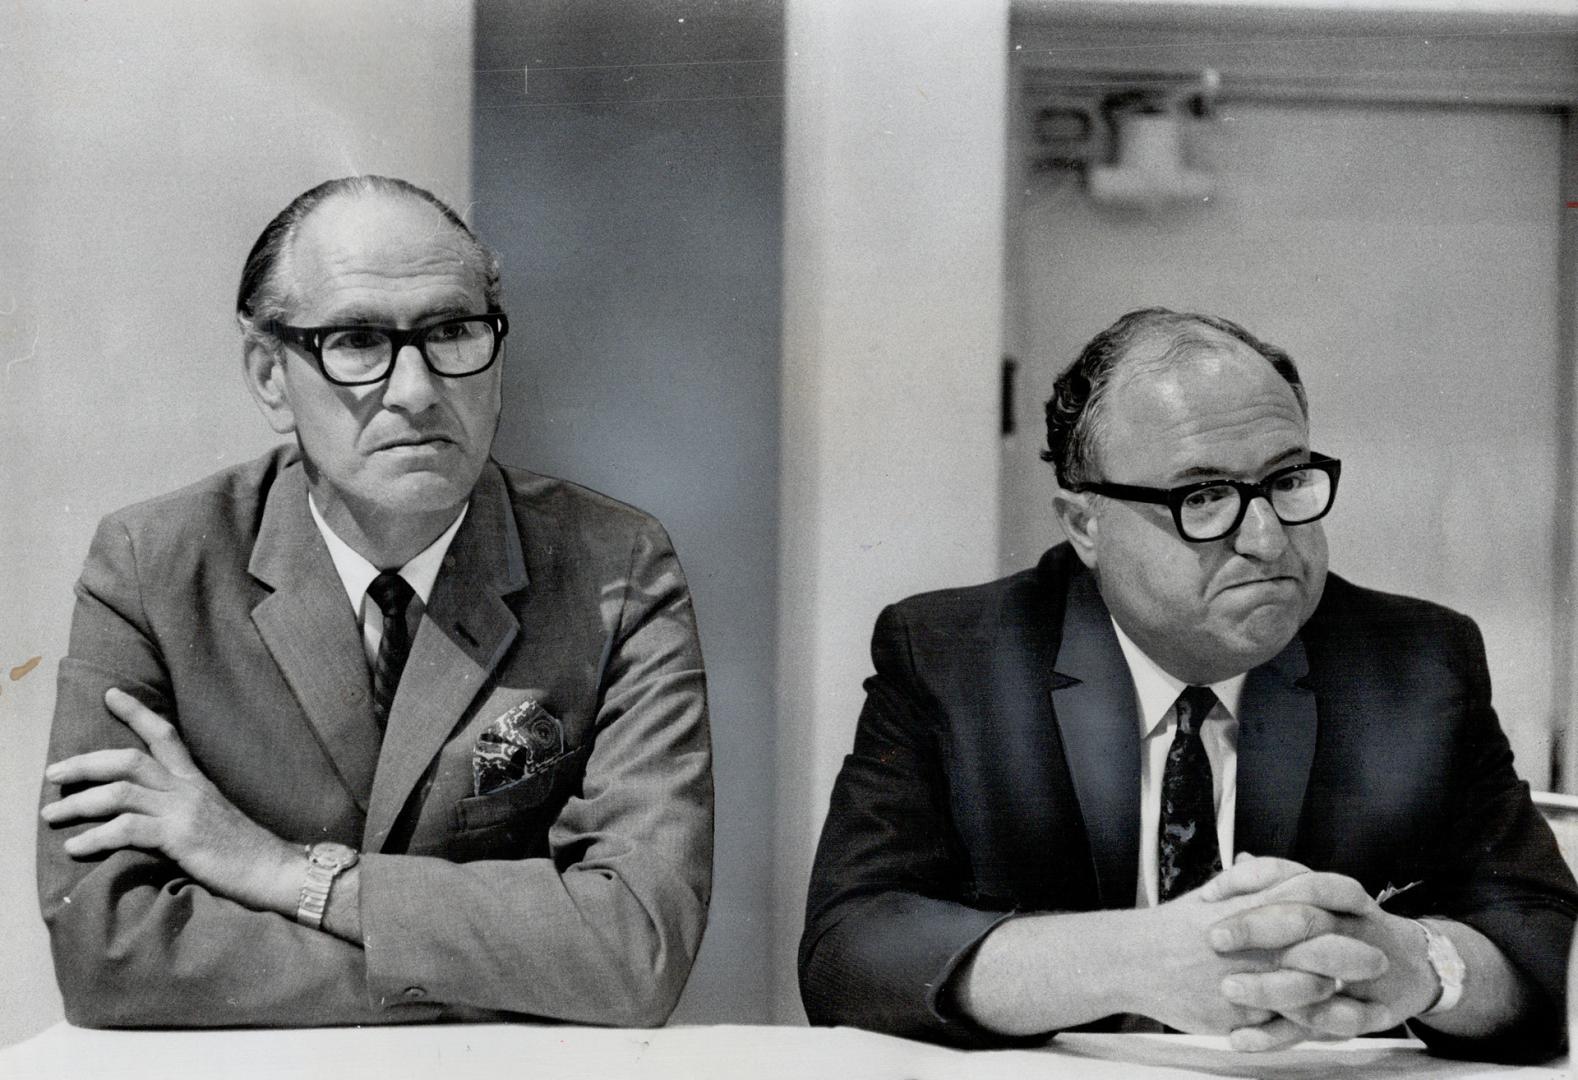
pixel 606 930
pixel 136 942
pixel 1504 875
pixel 886 921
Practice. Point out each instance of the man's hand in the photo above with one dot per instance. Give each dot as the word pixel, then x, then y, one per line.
pixel 158 800
pixel 1181 986
pixel 1344 966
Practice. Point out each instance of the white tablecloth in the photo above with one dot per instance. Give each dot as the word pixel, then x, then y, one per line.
pixel 531 1052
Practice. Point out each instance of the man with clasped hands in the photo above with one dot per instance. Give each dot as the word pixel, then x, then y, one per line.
pixel 1053 772
pixel 374 729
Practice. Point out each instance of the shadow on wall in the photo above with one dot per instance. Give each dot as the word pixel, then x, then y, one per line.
pixel 628 169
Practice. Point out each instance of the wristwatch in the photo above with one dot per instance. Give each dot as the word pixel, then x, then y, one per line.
pixel 325 862
pixel 1448 966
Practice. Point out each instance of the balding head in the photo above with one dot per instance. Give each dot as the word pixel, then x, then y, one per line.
pixel 265 291
pixel 1149 338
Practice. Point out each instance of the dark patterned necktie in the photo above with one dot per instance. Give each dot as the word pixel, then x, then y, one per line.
pixel 393 596
pixel 1187 853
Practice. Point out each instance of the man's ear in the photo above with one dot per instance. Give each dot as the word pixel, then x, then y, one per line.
pixel 1077 514
pixel 264 369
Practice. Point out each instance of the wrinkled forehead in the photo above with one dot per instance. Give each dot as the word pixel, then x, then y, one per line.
pixel 378 238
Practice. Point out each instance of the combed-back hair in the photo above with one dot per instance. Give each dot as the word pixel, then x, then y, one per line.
pixel 263 297
pixel 1076 411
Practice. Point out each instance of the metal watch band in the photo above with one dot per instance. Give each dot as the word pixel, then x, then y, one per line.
pixel 325 862
pixel 1448 965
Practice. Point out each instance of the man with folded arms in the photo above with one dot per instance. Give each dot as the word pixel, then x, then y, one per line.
pixel 1052 773
pixel 373 729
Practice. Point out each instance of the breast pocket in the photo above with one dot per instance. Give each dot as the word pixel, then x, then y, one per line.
pixel 513 822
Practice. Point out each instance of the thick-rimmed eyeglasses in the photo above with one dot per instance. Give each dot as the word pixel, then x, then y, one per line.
pixel 1212 509
pixel 358 355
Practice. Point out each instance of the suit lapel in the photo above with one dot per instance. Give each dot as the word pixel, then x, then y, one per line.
pixel 1276 744
pixel 465 630
pixel 1093 695
pixel 310 629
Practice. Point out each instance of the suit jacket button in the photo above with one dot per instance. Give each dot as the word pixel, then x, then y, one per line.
pixel 414 993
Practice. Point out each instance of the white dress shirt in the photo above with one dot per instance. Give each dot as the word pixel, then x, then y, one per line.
pixel 356 573
pixel 1157 692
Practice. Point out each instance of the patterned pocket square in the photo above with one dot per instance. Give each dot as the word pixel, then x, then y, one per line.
pixel 518 745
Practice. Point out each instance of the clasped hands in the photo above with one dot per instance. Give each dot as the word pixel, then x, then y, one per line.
pixel 1268 951
pixel 156 799
pixel 1275 953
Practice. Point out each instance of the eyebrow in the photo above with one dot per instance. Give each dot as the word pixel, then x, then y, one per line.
pixel 1210 472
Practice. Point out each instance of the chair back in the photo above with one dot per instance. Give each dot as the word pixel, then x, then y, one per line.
pixel 1561 812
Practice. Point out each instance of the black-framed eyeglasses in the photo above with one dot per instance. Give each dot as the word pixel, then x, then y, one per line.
pixel 358 355
pixel 1212 509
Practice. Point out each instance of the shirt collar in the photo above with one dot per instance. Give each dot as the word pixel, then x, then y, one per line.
pixel 1157 690
pixel 356 573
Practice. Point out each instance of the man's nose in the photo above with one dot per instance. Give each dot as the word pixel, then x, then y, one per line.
pixel 1261 535
pixel 411 386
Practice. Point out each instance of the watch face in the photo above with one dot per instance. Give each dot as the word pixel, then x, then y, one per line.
pixel 332 855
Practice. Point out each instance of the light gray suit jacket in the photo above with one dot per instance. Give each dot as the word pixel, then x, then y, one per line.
pixel 579 895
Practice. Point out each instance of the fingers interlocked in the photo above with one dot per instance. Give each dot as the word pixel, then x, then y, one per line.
pixel 1313 924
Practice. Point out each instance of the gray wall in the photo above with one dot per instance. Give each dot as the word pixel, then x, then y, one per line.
pixel 146 144
pixel 627 166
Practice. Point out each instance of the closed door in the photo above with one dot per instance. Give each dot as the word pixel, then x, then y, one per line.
pixel 1407 258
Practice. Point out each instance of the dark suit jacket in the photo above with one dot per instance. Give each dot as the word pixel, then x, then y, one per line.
pixel 580 895
pixel 996 770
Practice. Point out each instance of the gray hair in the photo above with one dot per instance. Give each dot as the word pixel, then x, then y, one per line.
pixel 1075 412
pixel 262 296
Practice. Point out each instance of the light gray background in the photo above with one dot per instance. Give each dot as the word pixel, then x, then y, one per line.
pixel 634 198
pixel 754 257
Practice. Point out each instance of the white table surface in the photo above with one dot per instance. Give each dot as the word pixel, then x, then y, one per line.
pixel 506 1052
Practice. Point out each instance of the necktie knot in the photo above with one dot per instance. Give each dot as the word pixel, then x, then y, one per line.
pixel 1193 706
pixel 392 593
